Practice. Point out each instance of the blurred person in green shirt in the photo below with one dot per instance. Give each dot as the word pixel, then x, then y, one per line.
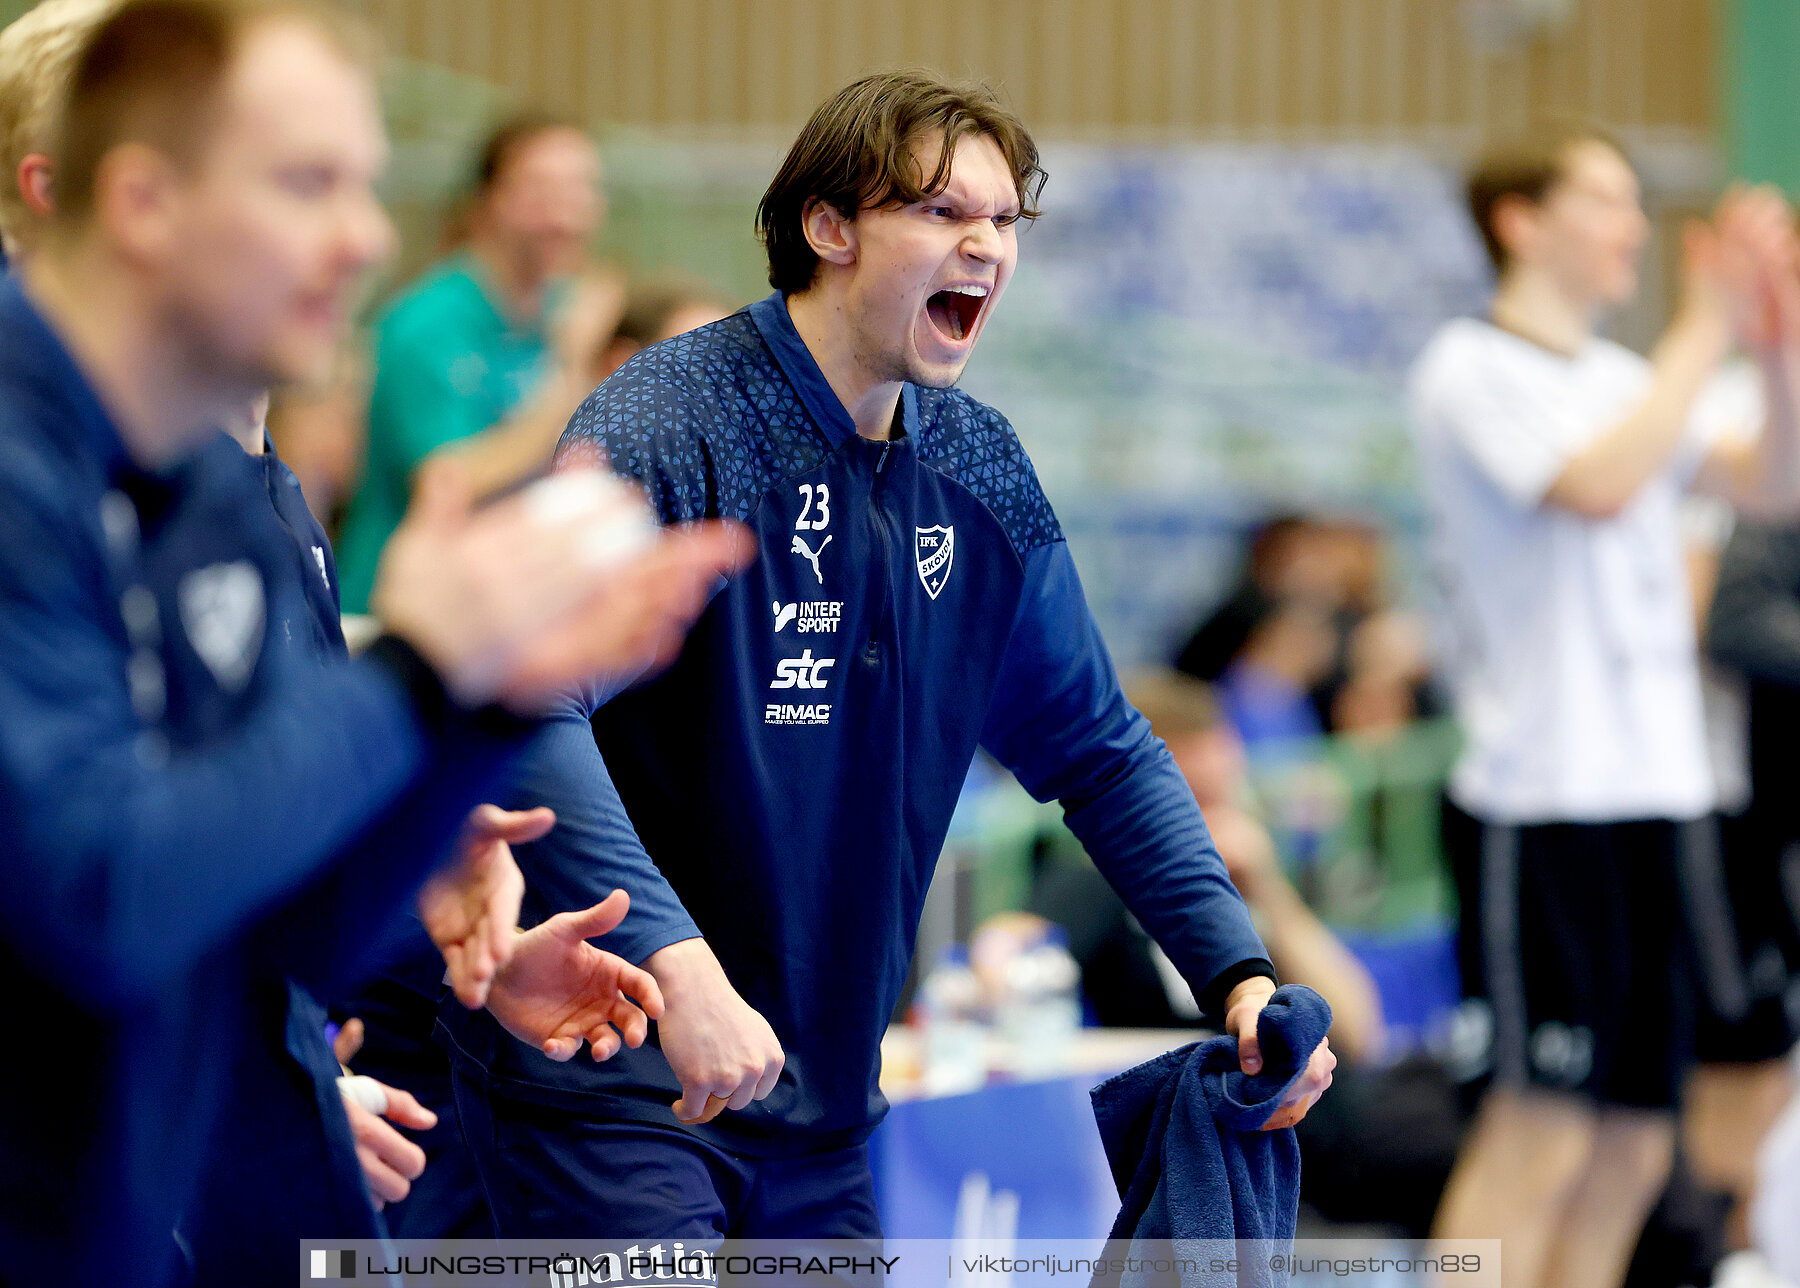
pixel 486 355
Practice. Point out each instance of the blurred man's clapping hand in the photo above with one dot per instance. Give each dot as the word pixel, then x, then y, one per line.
pixel 470 907
pixel 519 599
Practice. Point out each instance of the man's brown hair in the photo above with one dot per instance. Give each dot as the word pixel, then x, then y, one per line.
pixel 1526 172
pixel 152 73
pixel 498 150
pixel 856 153
pixel 507 139
pixel 651 306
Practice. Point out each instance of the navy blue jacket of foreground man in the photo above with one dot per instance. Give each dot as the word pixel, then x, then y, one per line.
pixel 261 1189
pixel 170 782
pixel 792 777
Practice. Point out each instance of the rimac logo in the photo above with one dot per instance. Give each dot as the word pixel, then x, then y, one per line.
pixel 814 615
pixel 936 551
pixel 802 672
pixel 788 713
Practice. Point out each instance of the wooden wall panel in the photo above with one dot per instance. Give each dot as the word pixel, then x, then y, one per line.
pixel 1155 69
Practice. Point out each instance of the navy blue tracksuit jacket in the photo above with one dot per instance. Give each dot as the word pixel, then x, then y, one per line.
pixel 791 778
pixel 262 1189
pixel 184 809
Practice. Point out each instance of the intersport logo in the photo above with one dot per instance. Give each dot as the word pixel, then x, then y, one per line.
pixel 809 616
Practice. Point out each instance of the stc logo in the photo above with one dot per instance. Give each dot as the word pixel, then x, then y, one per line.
pixel 802 672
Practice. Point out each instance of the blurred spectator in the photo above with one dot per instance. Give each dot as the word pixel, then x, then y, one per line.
pixel 1381 677
pixel 1383 1153
pixel 1743 912
pixel 1306 643
pixel 1276 547
pixel 487 354
pixel 1384 677
pixel 1380 1148
pixel 322 432
pixel 1553 461
pixel 1210 755
pixel 654 311
pixel 1754 628
pixel 1267 688
pixel 1126 979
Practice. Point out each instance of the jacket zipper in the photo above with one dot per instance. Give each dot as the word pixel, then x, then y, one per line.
pixel 872 650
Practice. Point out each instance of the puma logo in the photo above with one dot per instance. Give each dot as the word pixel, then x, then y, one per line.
pixel 812 556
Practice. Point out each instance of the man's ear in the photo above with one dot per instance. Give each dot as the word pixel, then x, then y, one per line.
pixel 831 236
pixel 1515 221
pixel 135 192
pixel 34 184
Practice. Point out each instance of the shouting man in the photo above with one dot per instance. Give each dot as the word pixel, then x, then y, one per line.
pixel 791 780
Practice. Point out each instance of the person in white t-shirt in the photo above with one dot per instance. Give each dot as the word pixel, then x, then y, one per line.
pixel 1553 461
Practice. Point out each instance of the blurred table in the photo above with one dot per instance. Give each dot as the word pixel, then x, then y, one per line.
pixel 1018 1157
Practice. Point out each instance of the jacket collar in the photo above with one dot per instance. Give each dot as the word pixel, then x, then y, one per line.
pixel 802 370
pixel 34 356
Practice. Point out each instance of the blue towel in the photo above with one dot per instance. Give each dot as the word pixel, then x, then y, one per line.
pixel 1182 1135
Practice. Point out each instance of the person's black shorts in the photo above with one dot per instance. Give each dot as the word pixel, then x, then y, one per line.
pixel 1576 954
pixel 1747 952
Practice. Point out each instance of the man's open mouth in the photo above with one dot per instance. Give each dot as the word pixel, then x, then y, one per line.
pixel 954 309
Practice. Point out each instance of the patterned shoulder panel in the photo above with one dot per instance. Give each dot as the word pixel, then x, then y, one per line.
pixel 707 422
pixel 976 446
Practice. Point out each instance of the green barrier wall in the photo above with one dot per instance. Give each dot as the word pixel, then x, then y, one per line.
pixel 1356 822
pixel 1759 91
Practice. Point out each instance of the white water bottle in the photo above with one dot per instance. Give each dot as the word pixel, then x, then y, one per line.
pixel 955 1037
pixel 1040 1008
